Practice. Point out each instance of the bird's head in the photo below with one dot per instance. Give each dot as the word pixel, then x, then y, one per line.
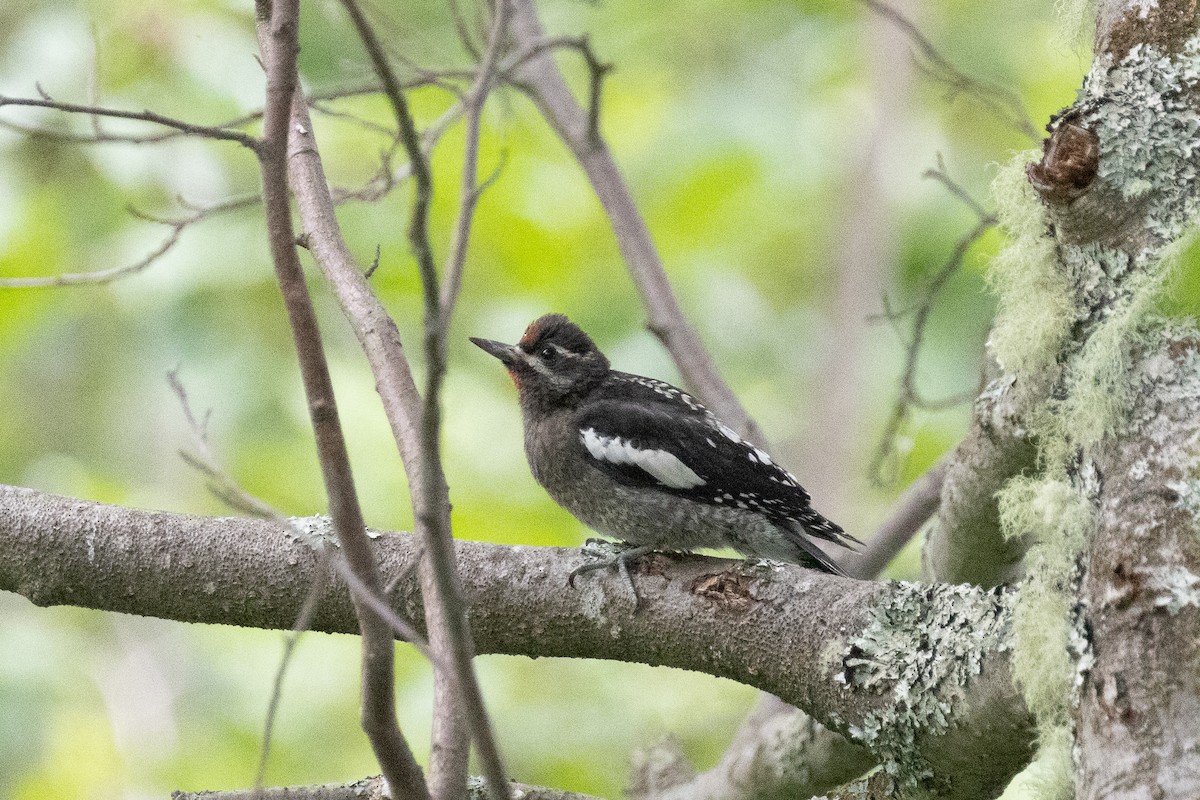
pixel 554 364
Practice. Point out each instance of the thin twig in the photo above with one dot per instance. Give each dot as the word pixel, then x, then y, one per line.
pixel 465 35
pixel 470 191
pixel 598 70
pixel 908 395
pixel 1000 101
pixel 99 277
pixel 911 511
pixel 543 81
pixel 188 128
pixel 290 641
pixel 222 484
pixel 322 99
pixel 280 46
pixel 386 179
pixel 432 505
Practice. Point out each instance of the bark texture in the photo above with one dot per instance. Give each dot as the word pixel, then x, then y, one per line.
pixel 1137 729
pixel 919 674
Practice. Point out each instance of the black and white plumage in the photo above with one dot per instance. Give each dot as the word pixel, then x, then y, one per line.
pixel 642 461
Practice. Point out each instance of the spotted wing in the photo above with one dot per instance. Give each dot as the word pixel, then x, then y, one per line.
pixel 653 446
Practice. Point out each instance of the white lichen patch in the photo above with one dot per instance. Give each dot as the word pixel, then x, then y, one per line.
pixel 1095 270
pixel 315 531
pixel 1188 492
pixel 1175 588
pixel 1142 111
pixel 923 648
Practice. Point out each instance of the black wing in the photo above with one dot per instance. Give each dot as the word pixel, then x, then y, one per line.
pixel 654 445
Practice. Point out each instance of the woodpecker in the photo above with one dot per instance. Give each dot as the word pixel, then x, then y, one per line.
pixel 642 461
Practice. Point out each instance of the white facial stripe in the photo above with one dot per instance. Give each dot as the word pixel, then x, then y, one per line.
pixel 556 378
pixel 661 465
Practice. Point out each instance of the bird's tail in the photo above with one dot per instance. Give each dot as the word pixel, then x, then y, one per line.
pixel 816 525
pixel 813 524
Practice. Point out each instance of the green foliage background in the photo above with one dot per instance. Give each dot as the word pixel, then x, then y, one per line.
pixel 742 127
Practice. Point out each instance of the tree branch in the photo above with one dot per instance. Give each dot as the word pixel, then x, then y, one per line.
pixel 1002 102
pixel 918 674
pixel 912 509
pixel 188 128
pixel 431 503
pixel 967 543
pixel 577 128
pixel 370 789
pixel 779 751
pixel 279 23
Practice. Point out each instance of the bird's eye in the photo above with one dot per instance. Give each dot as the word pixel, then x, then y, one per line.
pixel 548 353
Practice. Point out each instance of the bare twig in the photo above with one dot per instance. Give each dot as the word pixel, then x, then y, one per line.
pixel 188 128
pixel 908 395
pixel 598 70
pixel 386 178
pixel 913 509
pixel 1003 103
pixel 321 100
pixel 466 36
pixel 303 622
pixel 542 80
pixel 221 484
pixel 177 227
pixel 470 190
pixel 280 18
pixel 432 504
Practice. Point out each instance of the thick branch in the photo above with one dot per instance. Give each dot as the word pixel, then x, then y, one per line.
pixel 369 789
pixel 918 673
pixel 966 545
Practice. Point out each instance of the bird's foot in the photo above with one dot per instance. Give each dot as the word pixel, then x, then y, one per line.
pixel 603 553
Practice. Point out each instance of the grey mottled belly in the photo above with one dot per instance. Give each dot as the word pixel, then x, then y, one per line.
pixel 642 516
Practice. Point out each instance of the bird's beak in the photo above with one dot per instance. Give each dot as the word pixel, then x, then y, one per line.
pixel 507 353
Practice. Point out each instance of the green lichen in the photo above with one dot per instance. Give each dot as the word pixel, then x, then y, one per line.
pixel 1049 775
pixel 923 647
pixel 1036 308
pixel 1074 21
pixel 1057 517
pixel 1099 391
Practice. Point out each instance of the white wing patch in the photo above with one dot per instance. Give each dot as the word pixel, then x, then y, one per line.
pixel 663 466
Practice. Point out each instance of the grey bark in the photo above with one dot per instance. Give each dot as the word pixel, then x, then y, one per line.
pixel 918 674
pixel 369 789
pixel 1137 731
pixel 966 545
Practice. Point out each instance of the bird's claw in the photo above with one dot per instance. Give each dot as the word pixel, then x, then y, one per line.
pixel 602 551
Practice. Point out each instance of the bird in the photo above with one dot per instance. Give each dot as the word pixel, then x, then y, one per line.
pixel 642 461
